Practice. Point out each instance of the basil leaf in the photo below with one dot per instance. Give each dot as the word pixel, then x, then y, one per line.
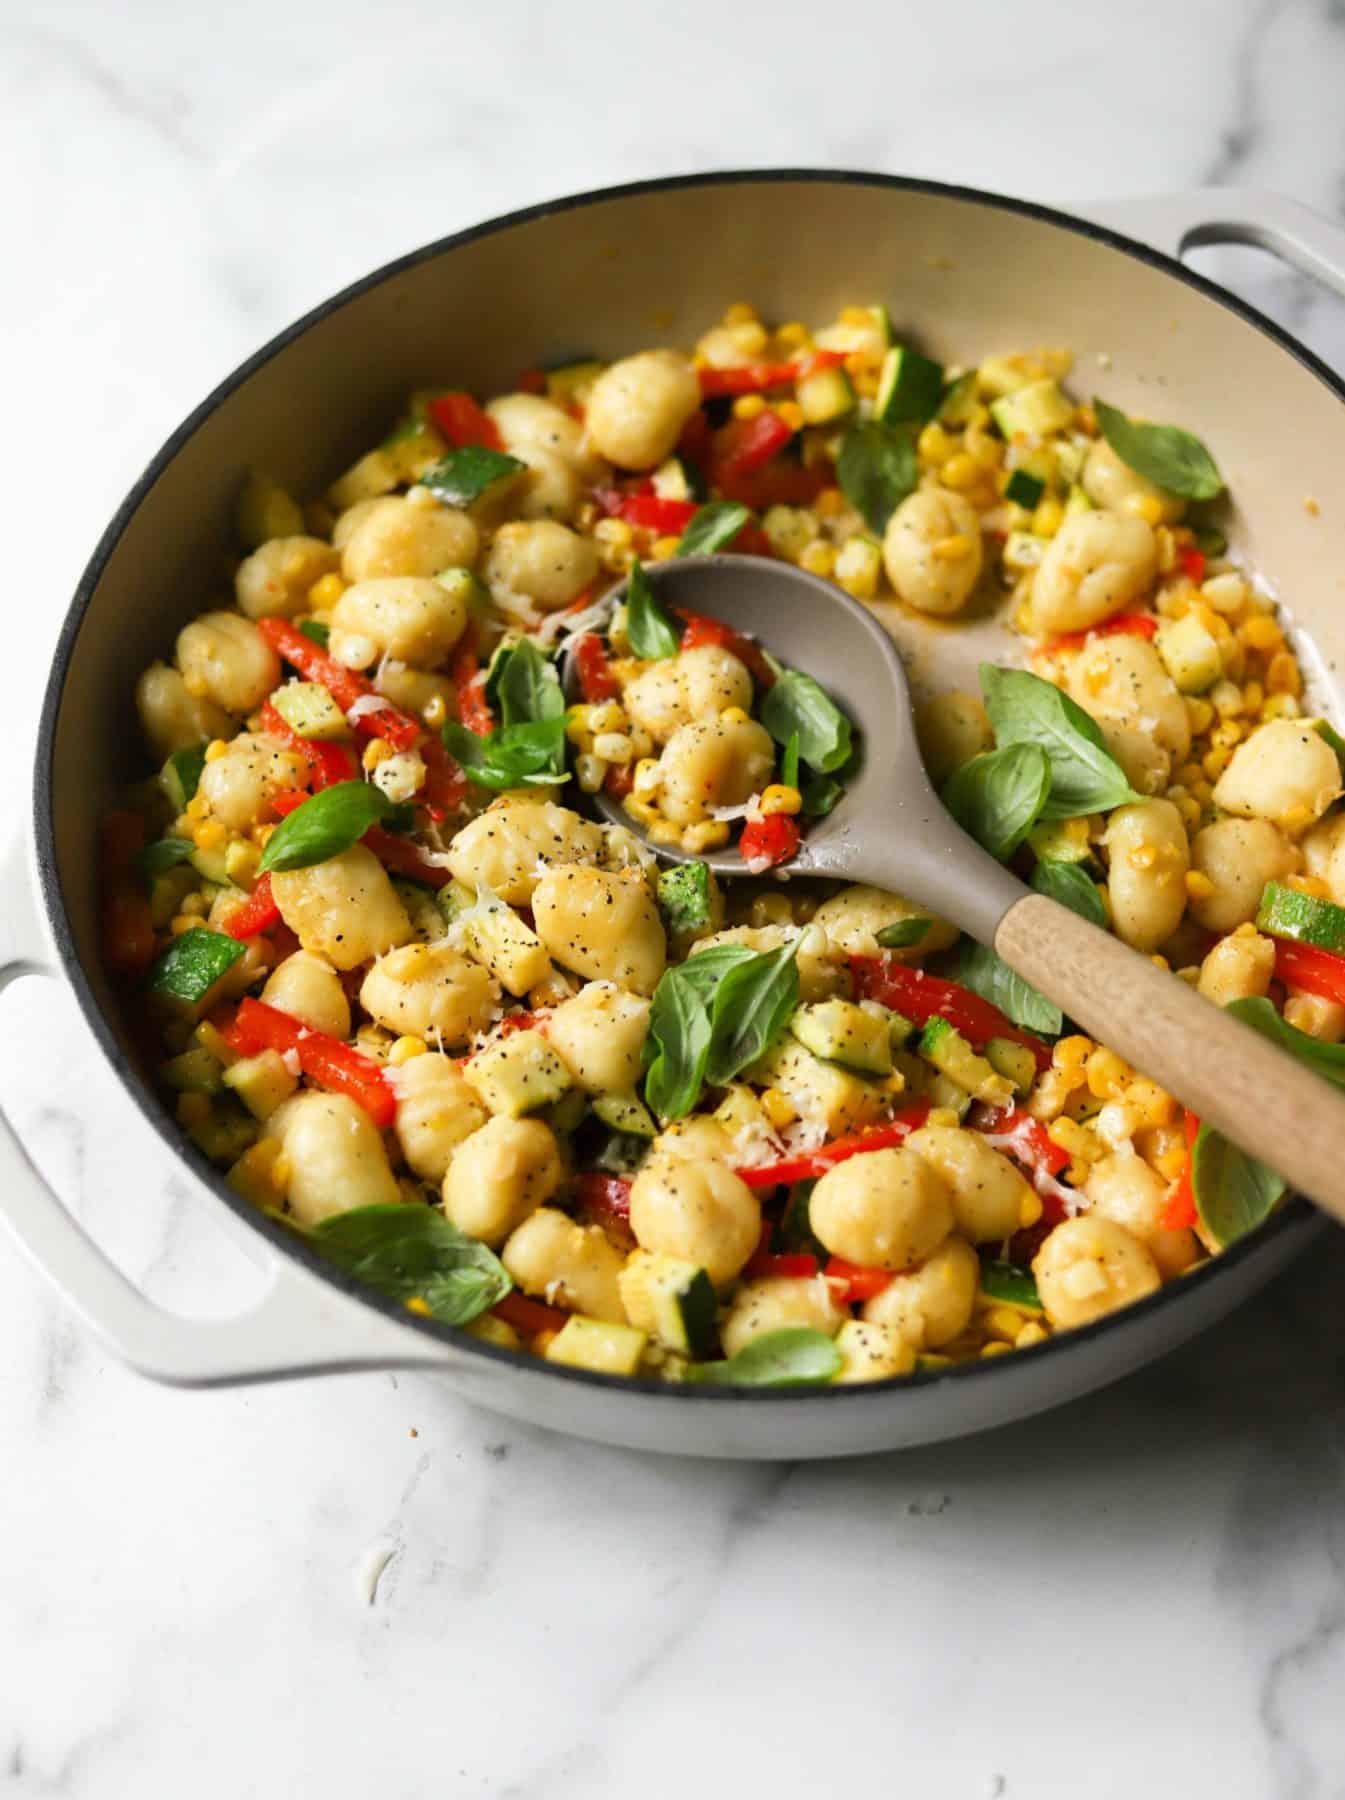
pixel 524 755
pixel 987 974
pixel 1326 1060
pixel 413 1252
pixel 998 797
pixel 1165 454
pixel 680 1028
pixel 193 963
pixel 649 630
pixel 797 706
pixel 799 1356
pixel 1085 776
pixel 157 858
pixel 751 1006
pixel 789 762
pixel 1324 728
pixel 526 686
pixel 903 934
pixel 820 795
pixel 876 470
pixel 712 527
pixel 1070 885
pixel 1234 1193
pixel 463 476
pixel 182 775
pixel 324 826
pixel 317 631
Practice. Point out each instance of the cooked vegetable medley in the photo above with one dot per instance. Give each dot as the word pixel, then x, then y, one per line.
pixel 490 1058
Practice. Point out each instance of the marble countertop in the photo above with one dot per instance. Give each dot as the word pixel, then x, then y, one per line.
pixel 361 1584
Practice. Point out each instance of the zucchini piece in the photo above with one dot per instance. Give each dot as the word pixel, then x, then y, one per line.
pixel 193 1072
pixel 869 330
pixel 670 1300
pixel 825 396
pixel 454 900
pixel 910 388
pixel 510 949
pixel 414 446
pixel 181 776
pixel 625 1114
pixel 1000 375
pixel 226 1133
pixel 309 711
pixel 944 1046
pixel 592 1344
pixel 1005 1284
pixel 619 1154
pixel 1032 411
pixel 822 1093
pixel 839 1031
pixel 212 864
pixel 873 1352
pixel 192 964
pixel 1014 1061
pixel 900 1030
pixel 945 1095
pixel 1285 913
pixel 567 1114
pixel 1060 840
pixel 1190 653
pixel 677 479
pixel 569 383
pixel 261 1082
pixel 518 1074
pixel 474 477
pixel 1024 488
pixel 168 890
pixel 959 400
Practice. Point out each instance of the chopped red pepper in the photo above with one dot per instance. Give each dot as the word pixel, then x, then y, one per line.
pixel 258 912
pixel 328 763
pixel 290 801
pixel 859 1283
pixel 596 680
pixel 797 1265
pixel 606 1196
pixel 668 518
pixel 326 1060
pixel 767 841
pixel 619 780
pixel 746 444
pixel 1315 971
pixel 458 418
pixel 465 674
pixel 693 445
pixel 701 629
pixel 1193 564
pixel 402 856
pixel 1142 625
pixel 530 1317
pixel 816 1162
pixel 344 685
pixel 1179 1209
pixel 756 377
pixel 1032 1144
pixel 445 786
pixel 782 482
pixel 922 997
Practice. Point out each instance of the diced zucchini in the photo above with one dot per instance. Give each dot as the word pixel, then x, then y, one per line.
pixel 1033 411
pixel 241 861
pixel 841 1032
pixel 686 897
pixel 309 710
pixel 569 383
pixel 873 1352
pixel 212 864
pixel 510 949
pixel 1024 488
pixel 567 1114
pixel 1014 1061
pixel 414 446
pixel 1285 913
pixel 900 1030
pixel 1190 653
pixel 1071 454
pixel 944 1046
pixel 678 480
pixel 1060 840
pixel 620 1154
pixel 795 1234
pixel 463 583
pixel 1004 1284
pixel 181 775
pixel 225 1134
pixel 625 1113
pixel 208 1037
pixel 193 1072
pixel 168 890
pixel 374 475
pixel 593 1344
pixel 910 388
pixel 872 334
pixel 421 905
pixel 265 511
pixel 454 900
pixel 825 396
pixel 959 400
pixel 253 1175
pixel 1210 540
pixel 670 1300
pixel 262 1082
pixel 517 1074
pixel 945 1095
pixel 822 1093
pixel 1023 551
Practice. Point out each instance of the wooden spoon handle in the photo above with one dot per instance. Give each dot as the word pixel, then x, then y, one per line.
pixel 1255 1094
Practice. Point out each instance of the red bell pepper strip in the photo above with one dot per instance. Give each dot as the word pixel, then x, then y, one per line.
pixel 445 786
pixel 530 1317
pixel 344 685
pixel 756 377
pixel 857 1282
pixel 465 674
pixel 1193 564
pixel 767 841
pixel 701 629
pixel 127 928
pixel 457 417
pixel 797 1265
pixel 401 856
pixel 783 482
pixel 668 518
pixel 596 681
pixel 1179 1210
pixel 813 1163
pixel 693 445
pixel 1315 971
pixel 258 913
pixel 326 1060
pixel 922 997
pixel 1032 1144
pixel 746 444
pixel 328 763
pixel 290 801
pixel 606 1196
pixel 1142 625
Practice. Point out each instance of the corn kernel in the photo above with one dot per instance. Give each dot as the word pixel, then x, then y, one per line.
pixel 1198 885
pixel 830 503
pixel 985 451
pixel 1312 885
pixel 1071 1137
pixel 1150 1103
pixel 435 711
pixel 405 1048
pixel 325 592
pixel 193 1109
pixel 1032 1333
pixel 416 1304
pixel 1071 1053
pixel 960 472
pixel 1228 735
pixel 195 904
pixel 791 414
pixel 209 834
pixel 197 807
pixel 770 908
pixel 709 834
pixel 1296 818
pixel 663 831
pixel 778 1108
pixel 376 751
pixel 1107 1074
pixel 818 558
pixel 934 445
pixel 1047 518
pixel 748 406
pixel 740 313
pixel 1214 762
pixel 951 549
pixel 613 531
pixel 1199 715
pixel 591 771
pixel 1283 675
pixel 196 685
pixel 215 749
pixel 664 549
pixel 780 799
pixel 1281 706
pixel 181 922
pixel 1262 632
pixel 648 778
pixel 792 336
pixel 735 715
pixel 1145 506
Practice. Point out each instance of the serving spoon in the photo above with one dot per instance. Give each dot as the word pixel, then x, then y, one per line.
pixel 890 829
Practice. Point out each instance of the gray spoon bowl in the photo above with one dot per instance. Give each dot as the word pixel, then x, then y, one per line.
pixel 890 829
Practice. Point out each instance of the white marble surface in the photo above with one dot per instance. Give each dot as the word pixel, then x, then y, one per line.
pixel 1144 1592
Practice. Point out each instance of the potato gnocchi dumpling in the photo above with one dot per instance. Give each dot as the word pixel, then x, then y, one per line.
pixel 550 1080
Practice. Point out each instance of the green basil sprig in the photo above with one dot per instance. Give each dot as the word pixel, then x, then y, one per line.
pixel 166 853
pixel 531 754
pixel 1085 776
pixel 1164 454
pixel 876 470
pixel 799 1356
pixel 713 527
pixel 798 707
pixel 998 797
pixel 181 775
pixel 524 685
pixel 711 1016
pixel 324 826
pixel 464 476
pixel 1326 1060
pixel 413 1252
pixel 1234 1193
pixel 902 934
pixel 1071 886
pixel 650 632
pixel 987 974
pixel 193 963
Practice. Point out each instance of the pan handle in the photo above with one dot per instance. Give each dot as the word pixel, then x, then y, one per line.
pixel 1176 223
pixel 300 1326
